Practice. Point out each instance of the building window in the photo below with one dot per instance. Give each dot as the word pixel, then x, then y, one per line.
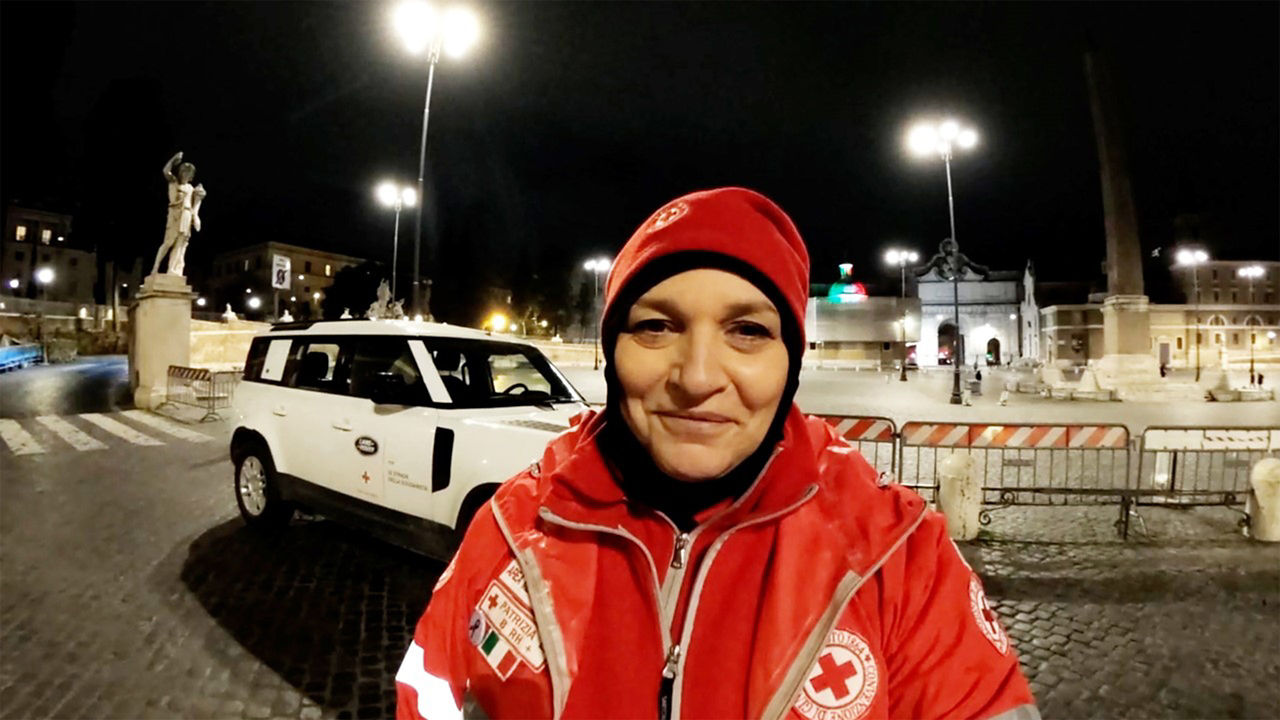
pixel 46 235
pixel 306 289
pixel 246 264
pixel 1233 296
pixel 1268 299
pixel 1235 338
pixel 307 267
pixel 1179 343
pixel 1215 276
pixel 1217 338
pixel 1215 296
pixel 1199 337
pixel 20 233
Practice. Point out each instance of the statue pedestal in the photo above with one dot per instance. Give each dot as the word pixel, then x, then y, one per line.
pixel 1127 368
pixel 159 336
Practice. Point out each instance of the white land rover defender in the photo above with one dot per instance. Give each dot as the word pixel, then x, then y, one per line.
pixel 403 428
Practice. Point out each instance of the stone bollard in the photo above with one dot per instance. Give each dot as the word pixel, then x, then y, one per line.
pixel 960 495
pixel 1264 502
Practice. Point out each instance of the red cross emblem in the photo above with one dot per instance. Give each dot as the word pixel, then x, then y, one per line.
pixel 365 478
pixel 493 601
pixel 833 677
pixel 986 617
pixel 843 682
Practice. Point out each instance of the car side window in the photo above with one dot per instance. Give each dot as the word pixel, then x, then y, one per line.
pixel 373 356
pixel 315 366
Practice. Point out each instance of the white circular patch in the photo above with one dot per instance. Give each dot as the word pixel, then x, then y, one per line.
pixel 477 627
pixel 668 215
pixel 986 617
pixel 842 684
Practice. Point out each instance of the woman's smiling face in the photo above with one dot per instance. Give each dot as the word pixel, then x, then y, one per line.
pixel 702 366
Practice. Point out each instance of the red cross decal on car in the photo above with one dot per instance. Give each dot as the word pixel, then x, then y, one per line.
pixel 365 478
pixel 833 677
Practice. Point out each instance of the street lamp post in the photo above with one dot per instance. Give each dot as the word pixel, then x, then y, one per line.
pixel 596 266
pixel 1250 272
pixel 1193 259
pixel 421 30
pixel 927 139
pixel 901 258
pixel 393 196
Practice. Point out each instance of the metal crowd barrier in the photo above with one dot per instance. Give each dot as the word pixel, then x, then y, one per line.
pixel 200 388
pixel 13 357
pixel 1025 464
pixel 1195 467
pixel 874 437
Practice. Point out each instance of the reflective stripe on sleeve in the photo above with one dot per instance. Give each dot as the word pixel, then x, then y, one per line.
pixel 435 697
pixel 1022 712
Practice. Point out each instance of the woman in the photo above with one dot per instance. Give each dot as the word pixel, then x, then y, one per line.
pixel 700 548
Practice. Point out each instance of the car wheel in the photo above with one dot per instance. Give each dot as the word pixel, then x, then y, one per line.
pixel 257 494
pixel 470 506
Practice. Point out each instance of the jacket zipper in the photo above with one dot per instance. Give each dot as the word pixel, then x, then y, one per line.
pixel 691 612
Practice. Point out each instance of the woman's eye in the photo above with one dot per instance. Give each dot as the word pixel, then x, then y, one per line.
pixel 752 330
pixel 652 325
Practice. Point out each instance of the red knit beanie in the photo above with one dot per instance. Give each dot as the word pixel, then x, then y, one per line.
pixel 734 222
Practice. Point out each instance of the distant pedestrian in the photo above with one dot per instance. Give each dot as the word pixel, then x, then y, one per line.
pixel 1164 370
pixel 1259 379
pixel 977 375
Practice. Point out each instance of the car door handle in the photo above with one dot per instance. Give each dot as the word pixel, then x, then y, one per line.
pixel 279 410
pixel 343 425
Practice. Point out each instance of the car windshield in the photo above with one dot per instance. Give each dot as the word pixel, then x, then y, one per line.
pixel 483 373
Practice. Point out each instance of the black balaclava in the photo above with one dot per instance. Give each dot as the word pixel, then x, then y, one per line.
pixel 633 467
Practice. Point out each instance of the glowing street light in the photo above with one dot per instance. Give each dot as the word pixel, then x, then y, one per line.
pixel 1193 258
pixel 13 283
pixel 901 258
pixel 44 275
pixel 394 196
pixel 926 139
pixel 597 266
pixel 200 302
pixel 497 322
pixel 1251 272
pixel 254 302
pixel 422 28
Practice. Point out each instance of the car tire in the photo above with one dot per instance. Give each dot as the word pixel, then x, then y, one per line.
pixel 257 492
pixel 470 506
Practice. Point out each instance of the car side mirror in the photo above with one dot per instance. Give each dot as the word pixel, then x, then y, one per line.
pixel 389 388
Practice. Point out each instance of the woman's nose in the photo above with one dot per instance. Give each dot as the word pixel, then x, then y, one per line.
pixel 698 370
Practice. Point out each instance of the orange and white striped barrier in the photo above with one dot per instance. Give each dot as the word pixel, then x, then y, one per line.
pixel 921 434
pixel 862 429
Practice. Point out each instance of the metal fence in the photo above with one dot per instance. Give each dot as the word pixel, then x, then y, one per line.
pixel 1025 464
pixel 1189 467
pixel 874 437
pixel 200 388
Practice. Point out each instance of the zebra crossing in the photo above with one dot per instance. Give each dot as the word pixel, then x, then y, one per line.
pixel 87 432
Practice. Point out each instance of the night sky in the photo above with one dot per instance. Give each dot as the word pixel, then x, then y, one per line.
pixel 571 122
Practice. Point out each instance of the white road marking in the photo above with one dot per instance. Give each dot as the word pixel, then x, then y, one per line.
pixel 19 441
pixel 165 426
pixel 120 429
pixel 78 439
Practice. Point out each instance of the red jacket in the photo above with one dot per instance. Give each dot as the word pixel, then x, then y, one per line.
pixel 818 595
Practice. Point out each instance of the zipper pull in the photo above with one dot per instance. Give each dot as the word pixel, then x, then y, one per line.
pixel 667 687
pixel 680 554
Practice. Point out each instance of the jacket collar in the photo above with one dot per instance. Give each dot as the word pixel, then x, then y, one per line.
pixel 577 484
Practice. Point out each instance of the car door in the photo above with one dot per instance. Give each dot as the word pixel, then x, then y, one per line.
pixel 393 440
pixel 321 422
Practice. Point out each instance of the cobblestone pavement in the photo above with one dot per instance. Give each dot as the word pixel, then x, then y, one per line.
pixel 130 589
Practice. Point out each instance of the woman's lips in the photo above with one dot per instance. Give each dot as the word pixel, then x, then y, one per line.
pixel 697 424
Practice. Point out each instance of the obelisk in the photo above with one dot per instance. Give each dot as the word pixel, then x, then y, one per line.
pixel 1127 363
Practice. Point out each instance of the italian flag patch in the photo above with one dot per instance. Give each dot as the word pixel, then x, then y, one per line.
pixel 503 630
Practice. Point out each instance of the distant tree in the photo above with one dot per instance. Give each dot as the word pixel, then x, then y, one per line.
pixel 354 287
